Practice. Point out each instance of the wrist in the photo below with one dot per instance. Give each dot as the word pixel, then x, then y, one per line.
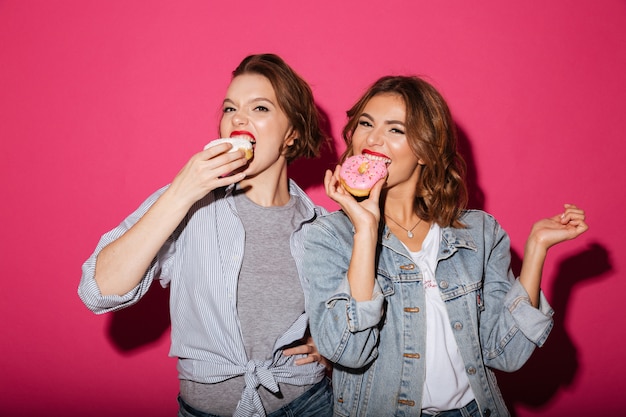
pixel 171 205
pixel 366 236
pixel 535 249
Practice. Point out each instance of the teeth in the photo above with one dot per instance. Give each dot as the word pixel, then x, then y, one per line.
pixel 246 137
pixel 377 158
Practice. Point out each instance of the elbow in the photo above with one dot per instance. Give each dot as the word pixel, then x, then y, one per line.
pixel 348 349
pixel 356 361
pixel 91 305
pixel 507 362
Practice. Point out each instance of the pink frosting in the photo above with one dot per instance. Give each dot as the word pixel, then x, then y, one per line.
pixel 361 173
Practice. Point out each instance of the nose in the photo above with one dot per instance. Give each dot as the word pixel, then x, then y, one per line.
pixel 239 118
pixel 375 137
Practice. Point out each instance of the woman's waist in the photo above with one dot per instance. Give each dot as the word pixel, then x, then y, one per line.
pixel 222 398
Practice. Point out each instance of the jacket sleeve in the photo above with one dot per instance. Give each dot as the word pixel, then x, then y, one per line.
pixel 345 331
pixel 511 327
pixel 88 290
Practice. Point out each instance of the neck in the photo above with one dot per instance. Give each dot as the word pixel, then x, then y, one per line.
pixel 268 188
pixel 400 207
pixel 401 219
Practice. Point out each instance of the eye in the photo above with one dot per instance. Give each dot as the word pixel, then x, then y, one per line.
pixel 396 130
pixel 364 123
pixel 228 109
pixel 261 108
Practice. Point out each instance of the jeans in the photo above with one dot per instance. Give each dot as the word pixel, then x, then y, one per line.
pixel 470 410
pixel 316 402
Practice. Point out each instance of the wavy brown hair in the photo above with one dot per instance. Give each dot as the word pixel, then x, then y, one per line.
pixel 295 98
pixel 431 133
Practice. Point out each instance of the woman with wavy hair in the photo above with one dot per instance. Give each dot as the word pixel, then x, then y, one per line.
pixel 226 237
pixel 415 302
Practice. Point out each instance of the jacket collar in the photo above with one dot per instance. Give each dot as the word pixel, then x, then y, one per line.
pixel 457 238
pixel 451 238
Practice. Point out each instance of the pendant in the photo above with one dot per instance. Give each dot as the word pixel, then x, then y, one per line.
pixel 409 234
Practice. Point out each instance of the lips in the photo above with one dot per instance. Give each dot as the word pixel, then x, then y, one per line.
pixel 375 156
pixel 243 135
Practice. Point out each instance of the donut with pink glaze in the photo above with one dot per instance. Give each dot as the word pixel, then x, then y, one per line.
pixel 358 174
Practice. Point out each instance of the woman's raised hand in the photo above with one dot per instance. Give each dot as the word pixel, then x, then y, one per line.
pixel 207 170
pixel 559 228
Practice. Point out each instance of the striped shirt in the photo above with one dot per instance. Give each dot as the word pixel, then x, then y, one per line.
pixel 201 262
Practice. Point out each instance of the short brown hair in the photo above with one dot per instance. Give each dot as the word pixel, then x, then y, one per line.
pixel 295 98
pixel 441 190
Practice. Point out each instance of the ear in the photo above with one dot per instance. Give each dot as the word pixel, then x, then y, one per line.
pixel 421 162
pixel 291 137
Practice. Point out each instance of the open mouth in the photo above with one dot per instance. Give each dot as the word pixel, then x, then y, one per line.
pixel 373 156
pixel 244 135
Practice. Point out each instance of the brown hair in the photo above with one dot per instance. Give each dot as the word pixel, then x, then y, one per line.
pixel 295 98
pixel 431 133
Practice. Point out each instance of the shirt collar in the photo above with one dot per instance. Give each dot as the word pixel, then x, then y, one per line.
pixel 294 190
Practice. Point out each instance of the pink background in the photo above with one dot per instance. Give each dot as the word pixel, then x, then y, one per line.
pixel 102 102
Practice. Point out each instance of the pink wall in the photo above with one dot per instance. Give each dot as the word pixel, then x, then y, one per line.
pixel 101 102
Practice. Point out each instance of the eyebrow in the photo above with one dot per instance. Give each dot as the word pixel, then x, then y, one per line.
pixel 387 122
pixel 256 100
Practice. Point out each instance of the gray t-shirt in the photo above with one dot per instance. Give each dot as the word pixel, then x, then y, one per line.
pixel 269 300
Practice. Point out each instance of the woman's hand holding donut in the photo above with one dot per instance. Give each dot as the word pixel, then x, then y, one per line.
pixel 122 264
pixel 364 214
pixel 206 171
pixel 365 217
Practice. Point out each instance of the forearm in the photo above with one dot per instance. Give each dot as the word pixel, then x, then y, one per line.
pixel 332 326
pixel 532 269
pixel 361 272
pixel 121 265
pixel 544 234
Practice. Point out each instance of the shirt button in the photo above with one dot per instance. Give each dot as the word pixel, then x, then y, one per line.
pixel 443 284
pixel 471 370
pixel 458 326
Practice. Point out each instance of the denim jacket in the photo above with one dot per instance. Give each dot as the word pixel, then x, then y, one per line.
pixel 377 346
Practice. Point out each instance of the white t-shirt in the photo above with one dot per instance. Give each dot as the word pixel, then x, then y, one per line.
pixel 446 385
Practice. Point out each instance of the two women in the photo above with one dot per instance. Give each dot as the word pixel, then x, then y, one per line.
pixel 412 297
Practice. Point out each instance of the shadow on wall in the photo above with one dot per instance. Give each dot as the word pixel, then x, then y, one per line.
pixel 476 196
pixel 308 173
pixel 554 365
pixel 142 323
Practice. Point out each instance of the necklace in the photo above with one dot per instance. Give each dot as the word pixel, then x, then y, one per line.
pixel 409 232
